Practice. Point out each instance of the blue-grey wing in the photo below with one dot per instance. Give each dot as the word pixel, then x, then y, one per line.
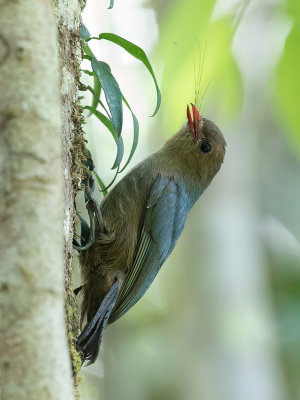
pixel 164 218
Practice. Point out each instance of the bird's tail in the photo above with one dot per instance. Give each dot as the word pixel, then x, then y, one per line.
pixel 90 339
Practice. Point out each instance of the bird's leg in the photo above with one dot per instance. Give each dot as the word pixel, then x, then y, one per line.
pixel 95 216
pixel 92 201
pixel 91 238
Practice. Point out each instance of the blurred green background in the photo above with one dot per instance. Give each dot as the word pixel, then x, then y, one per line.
pixel 222 319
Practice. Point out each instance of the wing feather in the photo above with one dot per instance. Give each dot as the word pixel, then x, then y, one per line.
pixel 144 245
pixel 164 218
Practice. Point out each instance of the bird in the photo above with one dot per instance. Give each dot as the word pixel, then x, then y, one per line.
pixel 136 226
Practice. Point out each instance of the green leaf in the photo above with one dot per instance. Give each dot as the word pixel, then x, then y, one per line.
pixel 98 101
pixel 97 87
pixel 97 92
pixel 87 57
pixel 136 52
pixel 103 119
pixel 109 126
pixel 111 4
pixel 87 72
pixel 88 51
pixel 135 134
pixel 112 93
pixel 100 182
pixel 84 33
pixel 120 153
pixel 114 178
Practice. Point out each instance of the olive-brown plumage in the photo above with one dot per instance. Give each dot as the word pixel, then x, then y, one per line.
pixel 143 216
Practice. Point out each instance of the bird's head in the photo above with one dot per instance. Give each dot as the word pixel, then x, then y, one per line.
pixel 206 144
pixel 197 149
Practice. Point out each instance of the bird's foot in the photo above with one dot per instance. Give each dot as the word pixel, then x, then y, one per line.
pixel 95 215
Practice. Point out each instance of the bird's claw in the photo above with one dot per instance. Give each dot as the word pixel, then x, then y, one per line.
pixel 95 215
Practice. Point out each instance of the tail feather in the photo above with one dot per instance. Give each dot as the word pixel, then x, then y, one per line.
pixel 90 339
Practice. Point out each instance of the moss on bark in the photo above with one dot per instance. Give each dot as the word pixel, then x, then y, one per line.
pixel 74 151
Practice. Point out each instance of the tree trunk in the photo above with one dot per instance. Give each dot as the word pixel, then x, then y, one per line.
pixel 68 14
pixel 34 358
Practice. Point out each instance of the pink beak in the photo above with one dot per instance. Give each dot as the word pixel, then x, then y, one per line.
pixel 193 122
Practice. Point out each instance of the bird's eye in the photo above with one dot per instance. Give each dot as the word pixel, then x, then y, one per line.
pixel 205 147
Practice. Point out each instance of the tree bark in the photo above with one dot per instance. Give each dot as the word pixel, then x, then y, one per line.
pixel 34 359
pixel 68 13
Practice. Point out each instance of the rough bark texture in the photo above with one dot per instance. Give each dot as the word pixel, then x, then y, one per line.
pixel 68 14
pixel 34 359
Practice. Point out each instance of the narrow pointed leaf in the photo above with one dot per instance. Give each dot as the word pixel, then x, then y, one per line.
pixel 103 119
pixel 120 153
pixel 97 87
pixel 135 134
pixel 87 72
pixel 97 92
pixel 112 93
pixel 100 183
pixel 98 101
pixel 136 52
pixel 87 57
pixel 88 51
pixel 84 33
pixel 114 178
pixel 109 126
pixel 111 4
